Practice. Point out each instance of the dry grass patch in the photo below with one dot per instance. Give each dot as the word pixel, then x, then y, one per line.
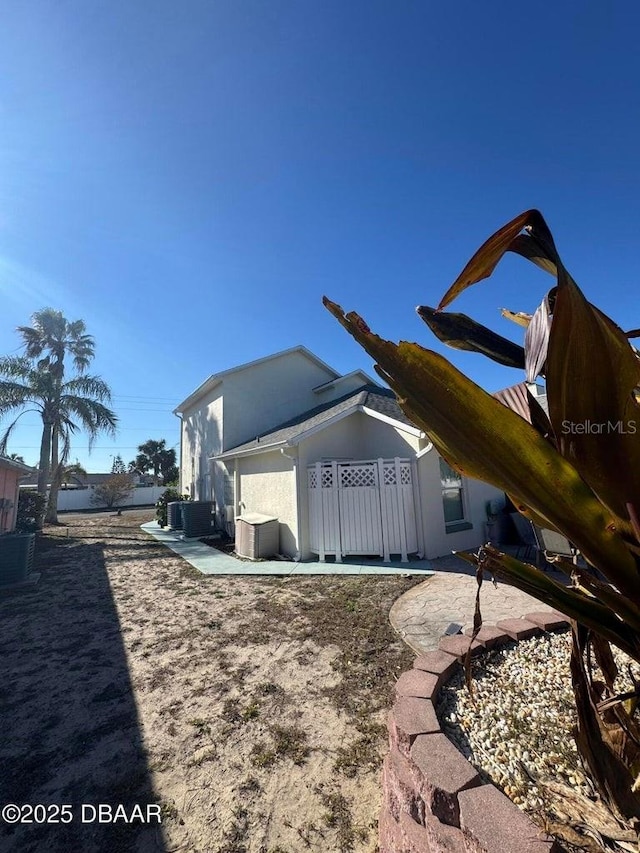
pixel 251 708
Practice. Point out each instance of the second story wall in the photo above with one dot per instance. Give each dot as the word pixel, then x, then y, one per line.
pixel 202 428
pixel 269 393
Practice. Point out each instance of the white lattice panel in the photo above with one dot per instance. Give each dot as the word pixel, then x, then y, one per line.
pixel 358 476
pixel 369 510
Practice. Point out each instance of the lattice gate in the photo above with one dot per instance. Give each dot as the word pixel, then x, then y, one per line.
pixel 364 507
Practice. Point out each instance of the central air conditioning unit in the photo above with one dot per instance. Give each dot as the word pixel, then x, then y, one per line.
pixel 197 518
pixel 257 535
pixel 174 515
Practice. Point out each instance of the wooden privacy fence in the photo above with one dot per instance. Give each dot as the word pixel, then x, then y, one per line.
pixel 364 507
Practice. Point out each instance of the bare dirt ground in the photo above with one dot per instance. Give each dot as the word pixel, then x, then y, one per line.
pixel 252 710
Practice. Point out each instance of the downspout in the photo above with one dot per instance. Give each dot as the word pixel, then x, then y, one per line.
pixel 417 494
pixel 292 454
pixel 237 497
pixel 180 488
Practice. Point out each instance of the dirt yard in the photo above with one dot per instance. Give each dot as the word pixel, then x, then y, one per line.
pixel 252 710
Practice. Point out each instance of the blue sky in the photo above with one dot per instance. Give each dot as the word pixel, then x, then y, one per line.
pixel 191 178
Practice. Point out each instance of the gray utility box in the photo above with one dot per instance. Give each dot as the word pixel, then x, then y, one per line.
pixel 174 515
pixel 257 535
pixel 16 557
pixel 197 518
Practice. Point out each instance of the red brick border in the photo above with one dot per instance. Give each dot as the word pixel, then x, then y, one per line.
pixel 433 799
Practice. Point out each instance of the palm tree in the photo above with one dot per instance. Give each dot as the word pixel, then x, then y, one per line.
pixel 64 407
pixel 49 339
pixel 69 471
pixel 52 334
pixel 154 455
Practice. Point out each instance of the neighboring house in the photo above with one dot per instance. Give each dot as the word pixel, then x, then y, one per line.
pixel 333 457
pixel 11 474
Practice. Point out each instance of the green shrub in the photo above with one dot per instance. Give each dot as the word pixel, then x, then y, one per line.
pixel 169 496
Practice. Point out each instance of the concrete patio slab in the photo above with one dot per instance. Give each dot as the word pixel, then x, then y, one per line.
pixel 422 614
pixel 210 561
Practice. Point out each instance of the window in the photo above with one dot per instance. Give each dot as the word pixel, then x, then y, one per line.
pixel 452 494
pixel 228 488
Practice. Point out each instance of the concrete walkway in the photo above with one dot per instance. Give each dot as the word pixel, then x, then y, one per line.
pixel 210 561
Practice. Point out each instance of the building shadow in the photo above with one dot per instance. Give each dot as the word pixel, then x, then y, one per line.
pixel 69 728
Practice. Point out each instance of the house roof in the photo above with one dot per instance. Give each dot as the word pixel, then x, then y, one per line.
pixel 365 379
pixel 371 399
pixel 5 462
pixel 215 378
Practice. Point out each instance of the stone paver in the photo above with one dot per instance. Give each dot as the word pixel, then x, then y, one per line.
pixel 422 614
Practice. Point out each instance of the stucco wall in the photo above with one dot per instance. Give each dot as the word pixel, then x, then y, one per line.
pixel 9 478
pixel 260 398
pixel 436 539
pixel 202 437
pixel 268 485
pixel 244 404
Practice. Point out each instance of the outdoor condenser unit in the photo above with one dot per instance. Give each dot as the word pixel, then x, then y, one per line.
pixel 174 515
pixel 257 535
pixel 197 518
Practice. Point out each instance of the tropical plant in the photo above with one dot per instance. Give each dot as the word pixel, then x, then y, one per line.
pixel 171 476
pixel 69 471
pixel 66 406
pixel 154 456
pixel 167 497
pixel 48 340
pixel 113 490
pixel 16 457
pixel 560 472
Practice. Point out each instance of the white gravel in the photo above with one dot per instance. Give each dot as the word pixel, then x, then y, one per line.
pixel 520 717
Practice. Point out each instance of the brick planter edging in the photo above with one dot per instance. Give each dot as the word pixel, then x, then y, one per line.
pixel 433 798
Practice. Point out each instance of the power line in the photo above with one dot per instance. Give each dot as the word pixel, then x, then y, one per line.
pixel 80 446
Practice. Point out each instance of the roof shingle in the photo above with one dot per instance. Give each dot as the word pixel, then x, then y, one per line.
pixel 381 400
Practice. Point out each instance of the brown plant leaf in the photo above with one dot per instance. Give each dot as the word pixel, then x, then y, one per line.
pixel 485 260
pixel 461 332
pixel 591 376
pixel 481 438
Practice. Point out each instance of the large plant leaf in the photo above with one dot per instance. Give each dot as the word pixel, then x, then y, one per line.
pixel 516 398
pixel 592 375
pixel 533 250
pixel 482 438
pixel 536 341
pixel 485 260
pixel 520 318
pixel 519 399
pixel 582 608
pixel 609 763
pixel 461 332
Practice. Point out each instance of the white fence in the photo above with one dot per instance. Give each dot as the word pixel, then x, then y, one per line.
pixel 364 507
pixel 78 499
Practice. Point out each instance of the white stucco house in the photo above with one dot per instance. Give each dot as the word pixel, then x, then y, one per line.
pixel 333 457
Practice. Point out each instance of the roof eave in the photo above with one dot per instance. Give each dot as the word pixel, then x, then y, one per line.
pixel 249 451
pixel 393 422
